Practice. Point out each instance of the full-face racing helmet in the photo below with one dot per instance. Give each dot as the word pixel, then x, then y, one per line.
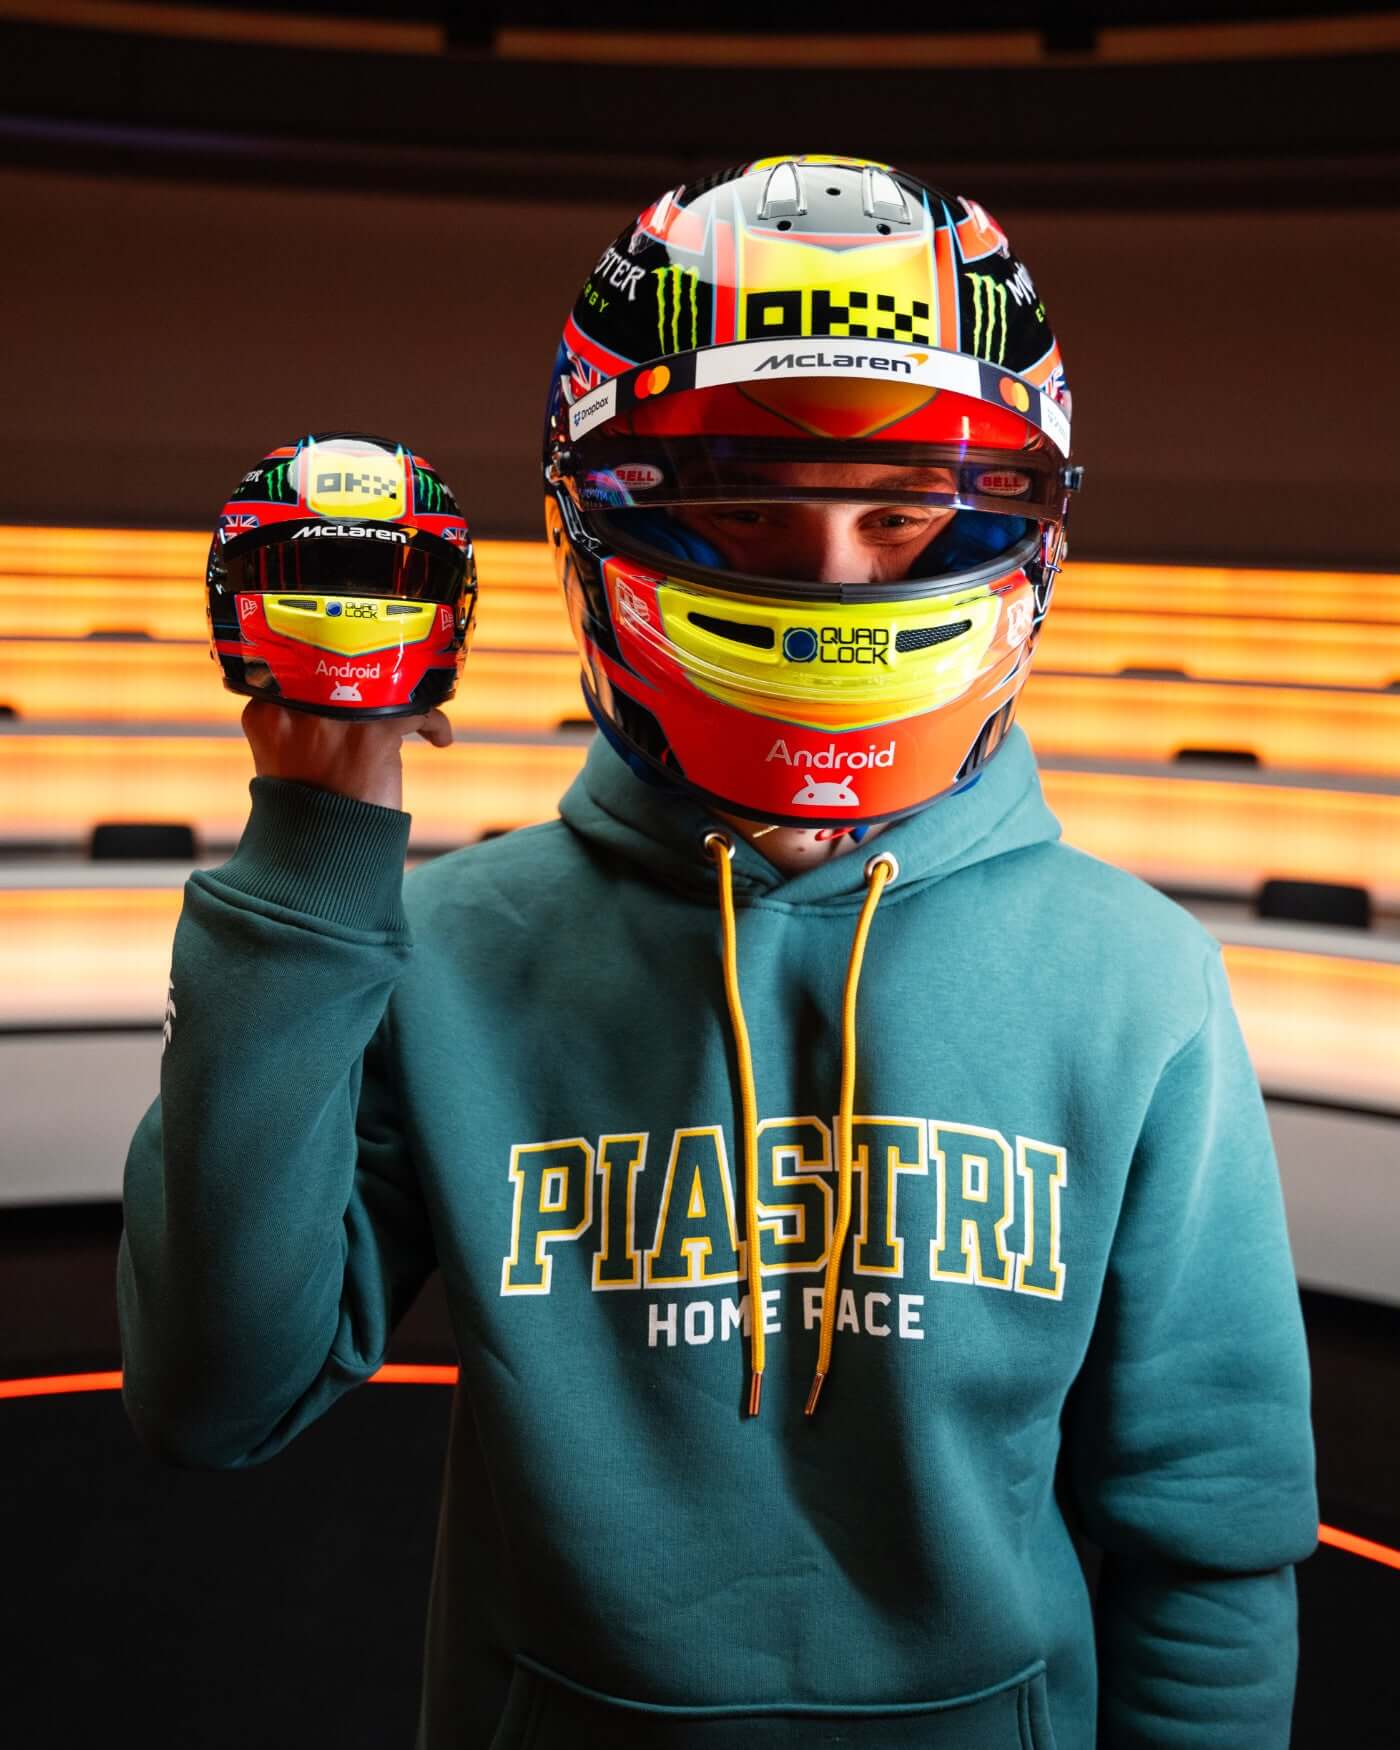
pixel 341 580
pixel 795 333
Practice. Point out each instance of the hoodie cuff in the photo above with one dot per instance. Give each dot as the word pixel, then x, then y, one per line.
pixel 330 857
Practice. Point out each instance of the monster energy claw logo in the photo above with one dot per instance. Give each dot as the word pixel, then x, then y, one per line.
pixel 672 303
pixel 277 483
pixel 988 312
pixel 428 493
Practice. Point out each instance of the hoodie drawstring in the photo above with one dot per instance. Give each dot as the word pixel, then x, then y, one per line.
pixel 722 850
pixel 879 872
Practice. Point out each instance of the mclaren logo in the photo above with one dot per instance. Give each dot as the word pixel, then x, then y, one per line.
pixel 339 532
pixel 839 361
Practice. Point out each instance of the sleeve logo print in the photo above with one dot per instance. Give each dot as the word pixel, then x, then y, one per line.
pixel 168 1030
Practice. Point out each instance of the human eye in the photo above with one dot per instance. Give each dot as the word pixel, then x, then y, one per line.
pixel 890 524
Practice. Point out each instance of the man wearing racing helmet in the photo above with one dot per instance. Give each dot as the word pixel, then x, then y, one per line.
pixel 803 1321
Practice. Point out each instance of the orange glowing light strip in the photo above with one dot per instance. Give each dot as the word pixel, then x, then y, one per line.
pixel 62 1384
pixel 509 614
pixel 1301 729
pixel 1173 831
pixel 178 683
pixel 1195 832
pixel 55 787
pixel 1368 598
pixel 1359 1546
pixel 1316 1024
pixel 407 1373
pixel 1083 715
pixel 139 555
pixel 1210 648
pixel 520 618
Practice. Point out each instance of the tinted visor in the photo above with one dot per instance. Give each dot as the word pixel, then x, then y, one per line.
pixel 745 510
pixel 654 472
pixel 337 558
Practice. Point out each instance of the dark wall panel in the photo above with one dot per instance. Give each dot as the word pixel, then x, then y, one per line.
pixel 1235 375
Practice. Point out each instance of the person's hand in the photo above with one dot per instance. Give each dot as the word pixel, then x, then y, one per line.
pixel 359 757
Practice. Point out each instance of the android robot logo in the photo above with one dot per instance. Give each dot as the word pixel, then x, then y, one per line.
pixel 838 795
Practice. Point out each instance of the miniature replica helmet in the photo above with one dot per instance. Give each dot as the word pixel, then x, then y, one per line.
pixel 793 337
pixel 341 580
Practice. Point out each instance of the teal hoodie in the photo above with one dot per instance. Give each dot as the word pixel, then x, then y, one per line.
pixel 1067 1303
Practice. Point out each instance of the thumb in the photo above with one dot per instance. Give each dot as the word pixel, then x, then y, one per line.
pixel 436 729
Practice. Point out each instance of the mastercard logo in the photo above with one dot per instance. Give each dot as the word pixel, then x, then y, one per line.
pixel 652 382
pixel 1015 394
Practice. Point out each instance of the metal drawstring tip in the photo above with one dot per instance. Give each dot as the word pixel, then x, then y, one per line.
pixel 755 1392
pixel 814 1394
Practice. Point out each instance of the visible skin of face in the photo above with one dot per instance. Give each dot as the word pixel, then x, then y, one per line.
pixel 825 543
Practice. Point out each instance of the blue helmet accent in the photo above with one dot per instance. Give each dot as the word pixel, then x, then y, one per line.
pixel 639 767
pixel 972 537
pixel 659 529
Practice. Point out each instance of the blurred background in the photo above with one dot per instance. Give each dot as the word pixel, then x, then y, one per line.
pixel 225 226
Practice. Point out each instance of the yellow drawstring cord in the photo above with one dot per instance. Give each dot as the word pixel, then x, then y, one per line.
pixel 880 870
pixel 721 849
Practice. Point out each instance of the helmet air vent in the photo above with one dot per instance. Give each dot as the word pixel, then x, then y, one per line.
pixel 925 637
pixel 760 637
pixel 882 197
pixel 782 193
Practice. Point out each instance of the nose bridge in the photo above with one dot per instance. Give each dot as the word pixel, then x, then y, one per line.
pixel 830 546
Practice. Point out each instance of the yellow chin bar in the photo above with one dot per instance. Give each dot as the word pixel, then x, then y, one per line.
pixel 349 625
pixel 838 666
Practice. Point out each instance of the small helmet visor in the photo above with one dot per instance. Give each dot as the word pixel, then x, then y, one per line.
pixel 328 558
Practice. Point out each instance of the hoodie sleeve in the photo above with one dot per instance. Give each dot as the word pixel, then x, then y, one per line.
pixel 1190 1450
pixel 273 1228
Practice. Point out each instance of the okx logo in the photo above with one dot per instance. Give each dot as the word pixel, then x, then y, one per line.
pixel 837 311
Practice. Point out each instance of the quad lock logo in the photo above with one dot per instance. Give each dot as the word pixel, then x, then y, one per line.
pixel 864 646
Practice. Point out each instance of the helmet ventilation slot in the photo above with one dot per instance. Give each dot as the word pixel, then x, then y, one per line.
pixel 924 637
pixel 739 631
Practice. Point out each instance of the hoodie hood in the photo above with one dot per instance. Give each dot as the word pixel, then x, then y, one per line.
pixel 662 831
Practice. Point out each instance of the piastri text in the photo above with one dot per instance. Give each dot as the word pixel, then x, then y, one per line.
pixel 933 1202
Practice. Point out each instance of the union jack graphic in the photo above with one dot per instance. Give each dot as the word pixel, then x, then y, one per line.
pixel 583 377
pixel 236 523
